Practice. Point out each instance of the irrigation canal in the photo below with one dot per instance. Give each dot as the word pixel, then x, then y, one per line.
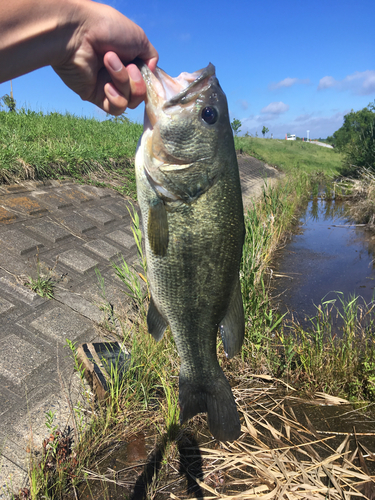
pixel 325 254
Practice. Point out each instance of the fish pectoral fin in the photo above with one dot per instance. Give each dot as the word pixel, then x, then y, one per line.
pixel 155 322
pixel 232 327
pixel 157 229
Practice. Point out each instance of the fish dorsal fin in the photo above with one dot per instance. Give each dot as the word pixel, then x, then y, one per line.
pixel 155 322
pixel 232 327
pixel 157 229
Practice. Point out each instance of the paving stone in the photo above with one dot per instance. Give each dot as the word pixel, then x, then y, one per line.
pixel 60 324
pixel 12 477
pixel 11 262
pixel 20 292
pixel 24 204
pixel 122 238
pixel 79 304
pixel 102 248
pixel 53 199
pixel 7 400
pixel 99 216
pixel 33 428
pixel 49 230
pixel 75 195
pixel 6 216
pixel 59 183
pixel 111 293
pixel 5 305
pixel 95 191
pixel 18 359
pixel 78 261
pixel 17 188
pixel 19 242
pixel 117 208
pixel 78 224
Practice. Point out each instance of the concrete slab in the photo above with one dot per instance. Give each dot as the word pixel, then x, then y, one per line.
pixel 77 224
pixel 5 305
pixel 96 192
pixel 59 325
pixel 19 242
pixel 79 304
pixel 75 195
pixel 52 200
pixel 18 359
pixel 102 248
pixel 49 230
pixel 16 289
pixel 100 217
pixel 6 217
pixel 119 209
pixel 78 261
pixel 7 400
pixel 25 205
pixel 122 238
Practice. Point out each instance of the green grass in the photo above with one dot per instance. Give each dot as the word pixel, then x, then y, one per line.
pixel 38 146
pixel 292 156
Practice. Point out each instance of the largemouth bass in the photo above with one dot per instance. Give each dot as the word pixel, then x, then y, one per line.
pixel 189 193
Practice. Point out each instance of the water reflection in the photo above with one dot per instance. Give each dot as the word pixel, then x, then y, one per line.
pixel 327 254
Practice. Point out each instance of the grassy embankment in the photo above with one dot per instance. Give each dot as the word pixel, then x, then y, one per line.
pixel 292 156
pixel 37 146
pixel 147 397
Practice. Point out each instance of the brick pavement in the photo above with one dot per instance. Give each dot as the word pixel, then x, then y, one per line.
pixel 72 231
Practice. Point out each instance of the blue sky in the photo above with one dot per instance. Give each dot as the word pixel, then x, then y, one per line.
pixel 291 66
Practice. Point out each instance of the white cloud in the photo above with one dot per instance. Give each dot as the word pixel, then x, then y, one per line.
pixel 275 108
pixel 288 82
pixel 326 82
pixel 360 82
pixel 303 118
pixel 243 103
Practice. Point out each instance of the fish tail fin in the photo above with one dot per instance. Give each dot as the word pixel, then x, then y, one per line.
pixel 215 398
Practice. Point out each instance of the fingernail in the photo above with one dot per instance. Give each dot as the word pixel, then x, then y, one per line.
pixel 134 72
pixel 112 90
pixel 114 62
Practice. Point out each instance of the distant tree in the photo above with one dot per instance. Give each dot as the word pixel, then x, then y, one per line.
pixel 256 133
pixel 236 125
pixel 356 139
pixel 9 102
pixel 265 130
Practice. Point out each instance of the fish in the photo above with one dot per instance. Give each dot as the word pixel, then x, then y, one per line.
pixel 189 194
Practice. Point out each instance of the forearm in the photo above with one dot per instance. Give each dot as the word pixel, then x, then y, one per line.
pixel 34 33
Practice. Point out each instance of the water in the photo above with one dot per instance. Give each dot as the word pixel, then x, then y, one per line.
pixel 325 255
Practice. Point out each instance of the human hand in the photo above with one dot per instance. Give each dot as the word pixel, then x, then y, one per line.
pixel 96 63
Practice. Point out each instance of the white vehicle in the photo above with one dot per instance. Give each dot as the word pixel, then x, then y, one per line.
pixel 291 137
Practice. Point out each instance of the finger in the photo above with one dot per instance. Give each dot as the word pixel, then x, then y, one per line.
pixel 114 103
pixel 137 86
pixel 117 91
pixel 127 88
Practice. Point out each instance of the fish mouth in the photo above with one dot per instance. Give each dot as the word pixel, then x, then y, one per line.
pixel 165 92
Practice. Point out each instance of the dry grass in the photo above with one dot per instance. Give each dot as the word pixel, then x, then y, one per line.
pixel 362 191
pixel 276 457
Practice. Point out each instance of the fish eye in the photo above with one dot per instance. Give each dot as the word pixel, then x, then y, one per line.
pixel 210 115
